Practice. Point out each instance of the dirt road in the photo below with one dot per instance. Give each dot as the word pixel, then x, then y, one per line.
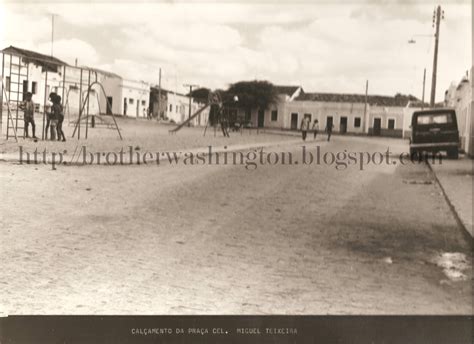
pixel 178 239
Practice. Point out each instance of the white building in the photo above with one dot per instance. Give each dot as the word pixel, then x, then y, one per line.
pixel 459 97
pixel 135 96
pixel 177 109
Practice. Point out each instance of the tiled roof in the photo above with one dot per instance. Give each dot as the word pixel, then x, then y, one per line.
pixel 288 90
pixel 48 62
pixel 398 100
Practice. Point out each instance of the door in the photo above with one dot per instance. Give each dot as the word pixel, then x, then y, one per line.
pixel 125 106
pixel 329 123
pixel 261 118
pixel 109 106
pixel 343 125
pixel 377 126
pixel 138 107
pixel 294 121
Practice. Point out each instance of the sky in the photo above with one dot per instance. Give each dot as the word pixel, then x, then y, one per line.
pixel 323 46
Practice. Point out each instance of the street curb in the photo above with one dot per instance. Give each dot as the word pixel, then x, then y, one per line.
pixel 460 223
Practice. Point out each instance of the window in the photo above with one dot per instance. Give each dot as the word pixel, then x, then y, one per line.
pixel 274 115
pixel 391 123
pixel 130 101
pixel 357 122
pixel 34 87
pixel 307 115
pixel 143 102
pixel 7 83
pixel 171 107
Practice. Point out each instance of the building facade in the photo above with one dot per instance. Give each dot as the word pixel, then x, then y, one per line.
pixel 135 97
pixel 459 97
pixel 346 113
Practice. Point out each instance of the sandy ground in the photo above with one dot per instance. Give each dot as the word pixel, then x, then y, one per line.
pixel 226 240
pixel 143 134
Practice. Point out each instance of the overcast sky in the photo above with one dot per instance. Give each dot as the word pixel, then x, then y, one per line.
pixel 324 46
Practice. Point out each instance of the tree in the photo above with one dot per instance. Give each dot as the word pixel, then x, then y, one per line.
pixel 201 94
pixel 253 94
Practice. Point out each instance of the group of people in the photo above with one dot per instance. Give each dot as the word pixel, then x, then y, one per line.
pixel 306 124
pixel 54 117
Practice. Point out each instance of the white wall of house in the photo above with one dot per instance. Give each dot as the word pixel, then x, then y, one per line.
pixel 470 136
pixel 391 117
pixel 35 79
pixel 352 112
pixel 459 97
pixel 113 90
pixel 178 105
pixel 75 92
pixel 136 94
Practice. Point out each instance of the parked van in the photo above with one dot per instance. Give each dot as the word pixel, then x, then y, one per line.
pixel 434 131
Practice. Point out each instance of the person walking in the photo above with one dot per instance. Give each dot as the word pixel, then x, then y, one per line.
pixel 305 123
pixel 29 114
pixel 329 127
pixel 59 115
pixel 315 128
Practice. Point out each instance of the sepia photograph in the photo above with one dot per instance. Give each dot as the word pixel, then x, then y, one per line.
pixel 253 161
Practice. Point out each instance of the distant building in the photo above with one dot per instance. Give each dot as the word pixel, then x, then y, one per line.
pixel 348 113
pixel 135 97
pixel 27 71
pixel 175 107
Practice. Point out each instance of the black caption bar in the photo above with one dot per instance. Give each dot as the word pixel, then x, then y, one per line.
pixel 236 329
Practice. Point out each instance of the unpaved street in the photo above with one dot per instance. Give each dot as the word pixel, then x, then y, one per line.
pixel 226 240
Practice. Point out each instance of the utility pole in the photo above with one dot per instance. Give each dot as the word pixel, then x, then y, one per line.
pixel 159 95
pixel 437 16
pixel 190 98
pixel 423 95
pixel 52 33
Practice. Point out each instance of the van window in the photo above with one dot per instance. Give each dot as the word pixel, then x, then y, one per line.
pixel 434 119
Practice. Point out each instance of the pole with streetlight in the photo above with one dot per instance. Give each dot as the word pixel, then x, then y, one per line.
pixel 437 16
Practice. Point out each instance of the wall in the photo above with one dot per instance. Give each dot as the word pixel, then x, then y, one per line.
pixel 459 97
pixel 137 96
pixel 470 141
pixel 385 113
pixel 113 89
pixel 318 110
pixel 74 92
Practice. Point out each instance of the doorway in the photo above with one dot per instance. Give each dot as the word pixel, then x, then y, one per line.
pixel 343 125
pixel 294 121
pixel 109 106
pixel 329 123
pixel 261 118
pixel 377 126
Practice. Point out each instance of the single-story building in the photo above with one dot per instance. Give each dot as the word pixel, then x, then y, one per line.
pixel 347 113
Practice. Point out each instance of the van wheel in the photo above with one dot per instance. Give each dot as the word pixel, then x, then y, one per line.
pixel 453 153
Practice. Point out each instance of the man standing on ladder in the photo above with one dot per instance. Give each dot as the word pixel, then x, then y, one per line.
pixel 29 115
